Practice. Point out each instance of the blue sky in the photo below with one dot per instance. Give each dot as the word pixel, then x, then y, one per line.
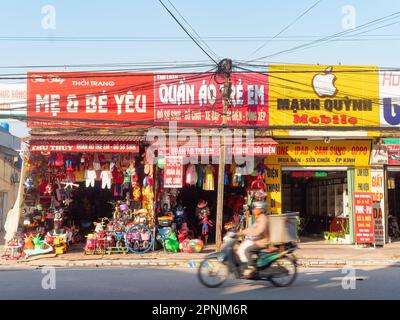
pixel 210 18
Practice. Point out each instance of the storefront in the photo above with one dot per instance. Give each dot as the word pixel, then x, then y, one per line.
pixel 318 178
pixel 392 188
pixel 189 175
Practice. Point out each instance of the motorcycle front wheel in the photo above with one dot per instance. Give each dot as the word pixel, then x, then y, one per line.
pixel 284 271
pixel 212 273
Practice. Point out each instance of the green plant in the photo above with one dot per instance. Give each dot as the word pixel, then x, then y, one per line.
pixel 300 225
pixel 325 235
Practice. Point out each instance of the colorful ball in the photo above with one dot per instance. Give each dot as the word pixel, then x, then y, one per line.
pixel 196 245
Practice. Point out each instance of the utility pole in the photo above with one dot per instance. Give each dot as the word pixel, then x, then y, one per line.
pixel 225 68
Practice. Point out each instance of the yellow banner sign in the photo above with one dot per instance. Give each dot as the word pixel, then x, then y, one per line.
pixel 274 188
pixel 319 153
pixel 317 95
pixel 362 179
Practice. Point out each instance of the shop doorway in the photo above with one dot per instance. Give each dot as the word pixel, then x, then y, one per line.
pixel 321 199
pixel 393 196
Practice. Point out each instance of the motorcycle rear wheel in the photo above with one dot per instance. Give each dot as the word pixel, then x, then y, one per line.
pixel 286 268
pixel 208 272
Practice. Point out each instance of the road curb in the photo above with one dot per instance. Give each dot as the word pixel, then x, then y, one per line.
pixel 190 264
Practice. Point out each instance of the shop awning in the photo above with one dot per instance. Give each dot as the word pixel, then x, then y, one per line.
pixel 57 143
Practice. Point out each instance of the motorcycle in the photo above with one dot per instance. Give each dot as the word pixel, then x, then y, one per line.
pixel 279 268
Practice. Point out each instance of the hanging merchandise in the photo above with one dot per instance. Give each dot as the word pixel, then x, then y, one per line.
pixel 258 189
pixel 200 176
pixel 209 182
pixel 90 176
pixel 59 160
pixel 174 196
pixel 238 179
pixel 136 194
pixel 76 160
pixel 234 180
pixel 127 178
pixel 49 189
pixel 96 163
pixel 161 163
pixel 134 176
pixel 150 181
pixel 54 203
pixel 118 177
pixel 42 186
pixel 226 177
pixel 79 174
pixel 68 163
pixel 148 169
pixel 106 177
pixel 148 197
pixel 191 175
pixel 165 201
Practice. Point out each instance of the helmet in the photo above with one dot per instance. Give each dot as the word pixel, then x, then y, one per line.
pixel 260 205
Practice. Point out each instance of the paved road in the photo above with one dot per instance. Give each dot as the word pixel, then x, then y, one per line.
pixel 146 283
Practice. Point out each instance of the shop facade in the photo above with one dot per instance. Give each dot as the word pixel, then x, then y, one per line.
pixel 310 169
pixel 318 179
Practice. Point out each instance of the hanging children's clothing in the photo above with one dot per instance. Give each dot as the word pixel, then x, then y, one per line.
pixel 96 163
pixel 59 160
pixel 191 175
pixel 208 178
pixel 90 176
pixel 106 177
pixel 79 174
pixel 200 176
pixel 118 177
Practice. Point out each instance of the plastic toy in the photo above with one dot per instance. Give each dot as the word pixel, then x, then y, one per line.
pixel 206 224
pixel 196 245
pixel 41 247
pixel 171 243
pixel 13 249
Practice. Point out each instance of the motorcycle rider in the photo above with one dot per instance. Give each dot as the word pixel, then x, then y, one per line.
pixel 257 238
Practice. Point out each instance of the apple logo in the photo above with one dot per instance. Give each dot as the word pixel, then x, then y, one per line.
pixel 323 83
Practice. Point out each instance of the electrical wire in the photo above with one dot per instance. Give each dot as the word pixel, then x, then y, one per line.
pixel 195 32
pixel 284 29
pixel 339 34
pixel 188 33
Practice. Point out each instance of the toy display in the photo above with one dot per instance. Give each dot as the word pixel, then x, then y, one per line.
pixel 36 246
pixel 67 196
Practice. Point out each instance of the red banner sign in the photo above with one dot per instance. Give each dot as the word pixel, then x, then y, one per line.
pixel 78 98
pixel 393 151
pixel 187 151
pixel 198 98
pixel 104 99
pixel 364 217
pixel 173 172
pixel 84 147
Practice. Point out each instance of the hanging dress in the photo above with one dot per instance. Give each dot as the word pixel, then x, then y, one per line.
pixel 208 178
pixel 191 175
pixel 200 176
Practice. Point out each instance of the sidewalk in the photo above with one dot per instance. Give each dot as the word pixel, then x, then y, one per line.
pixel 310 254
